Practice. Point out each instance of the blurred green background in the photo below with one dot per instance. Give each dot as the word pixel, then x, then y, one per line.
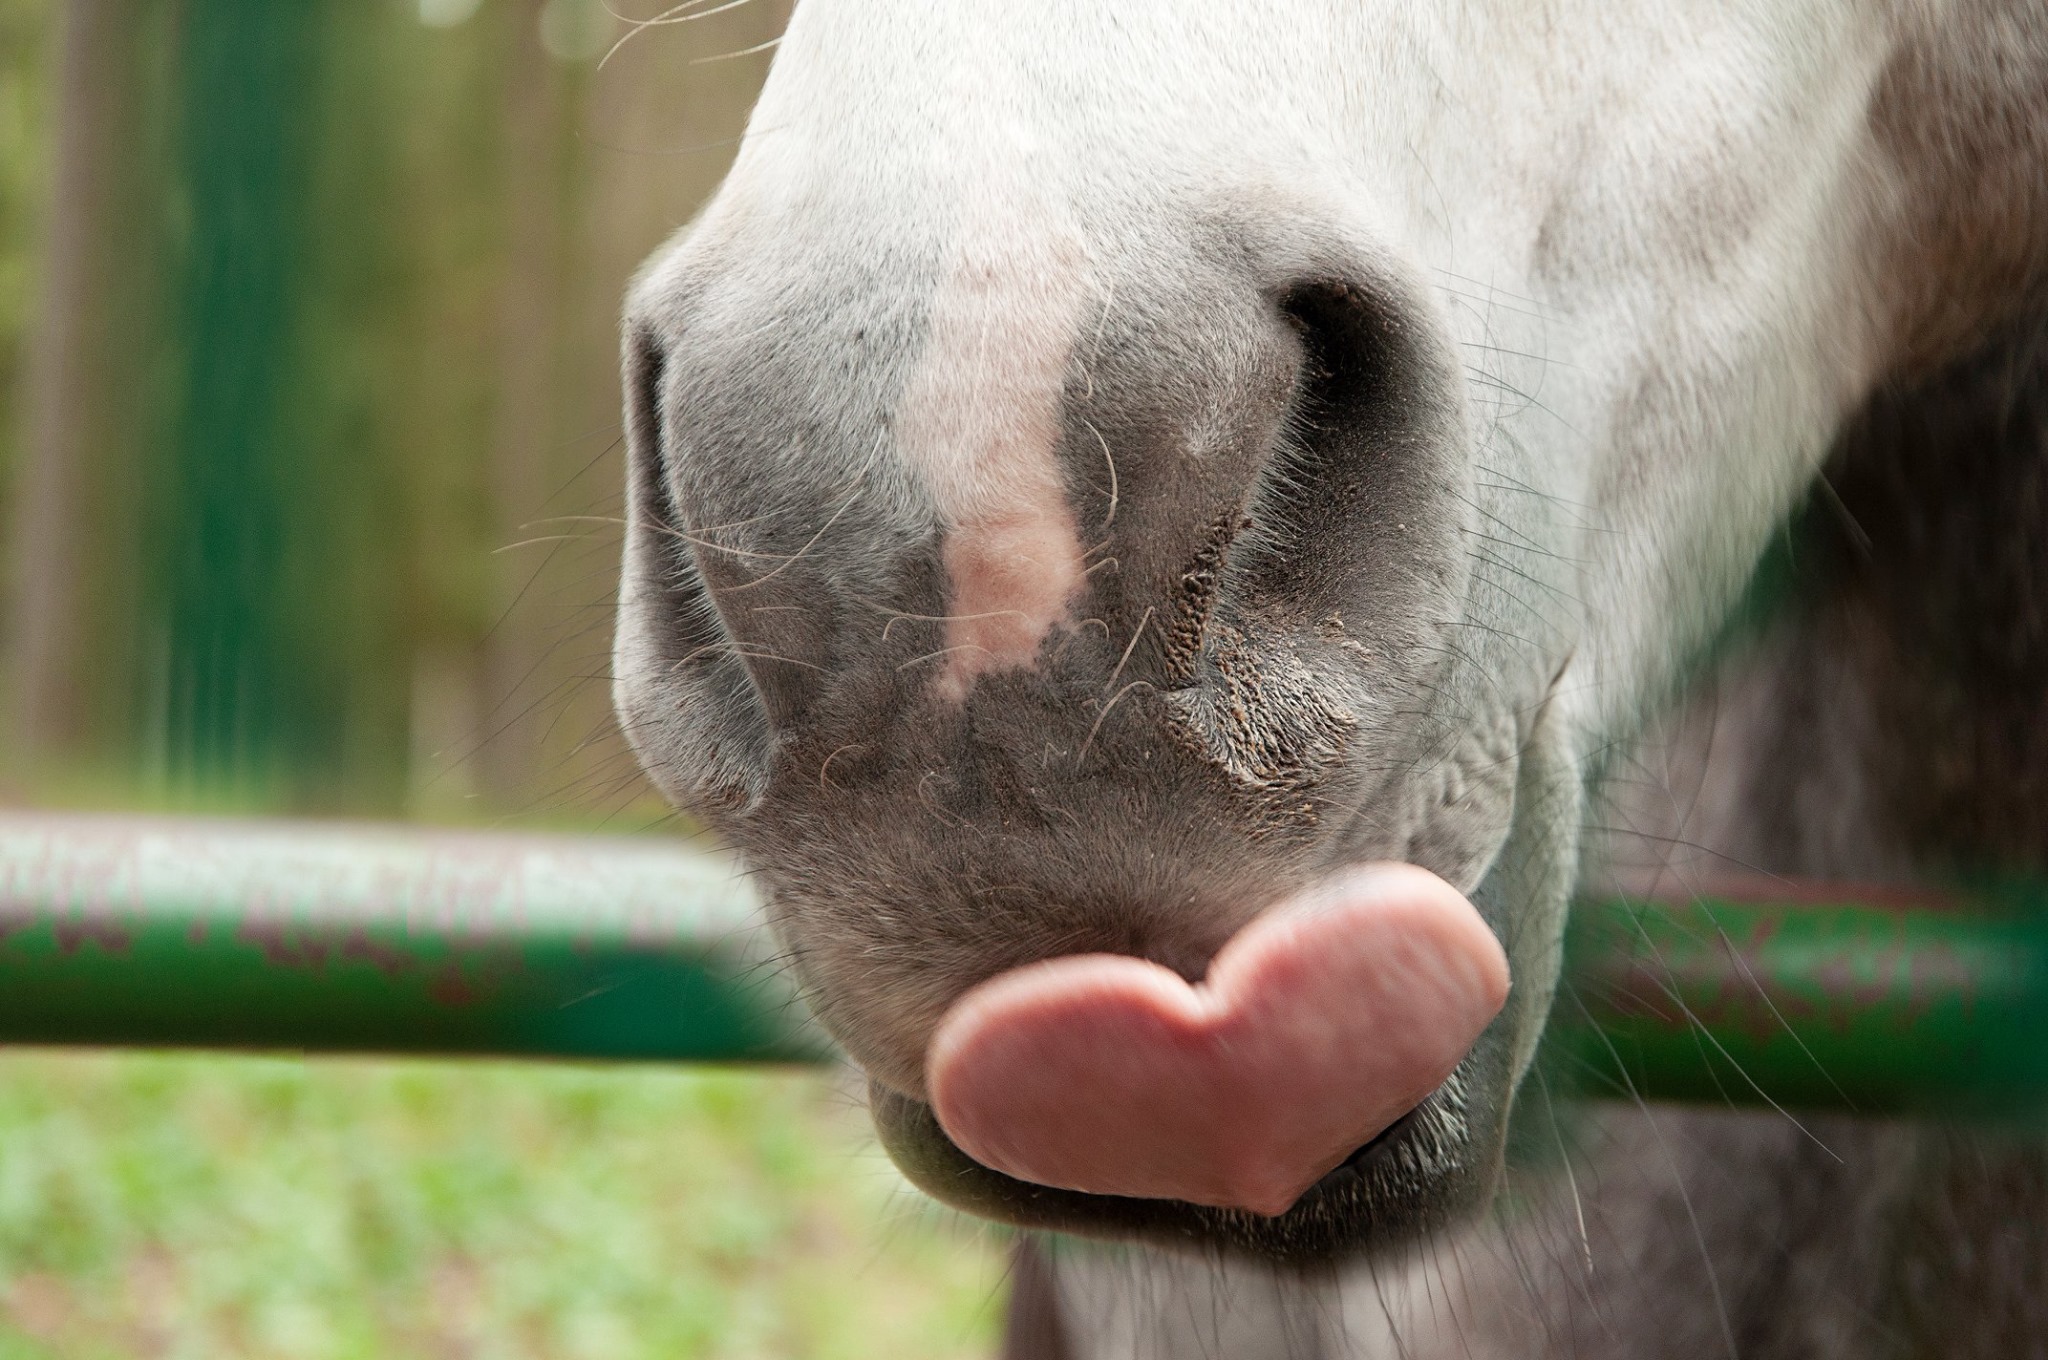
pixel 310 465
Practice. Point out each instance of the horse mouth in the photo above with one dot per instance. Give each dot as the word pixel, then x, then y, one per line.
pixel 1428 1169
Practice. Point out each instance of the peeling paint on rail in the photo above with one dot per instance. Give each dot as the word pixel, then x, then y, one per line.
pixel 1811 996
pixel 188 932
pixel 175 932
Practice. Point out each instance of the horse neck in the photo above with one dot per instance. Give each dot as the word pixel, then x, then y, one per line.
pixel 1889 722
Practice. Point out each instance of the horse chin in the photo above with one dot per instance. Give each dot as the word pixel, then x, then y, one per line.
pixel 1433 1168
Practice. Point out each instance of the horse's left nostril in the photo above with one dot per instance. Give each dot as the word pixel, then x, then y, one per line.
pixel 1354 471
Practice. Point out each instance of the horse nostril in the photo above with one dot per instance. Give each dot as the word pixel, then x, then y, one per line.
pixel 1372 409
pixel 684 695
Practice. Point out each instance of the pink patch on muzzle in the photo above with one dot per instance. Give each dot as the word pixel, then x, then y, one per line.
pixel 1318 1025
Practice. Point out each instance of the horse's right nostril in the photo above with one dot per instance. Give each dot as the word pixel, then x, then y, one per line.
pixel 685 695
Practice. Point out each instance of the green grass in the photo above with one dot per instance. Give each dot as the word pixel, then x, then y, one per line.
pixel 208 1207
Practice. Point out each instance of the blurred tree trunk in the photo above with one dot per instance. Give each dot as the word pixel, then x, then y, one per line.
pixel 330 312
pixel 224 507
pixel 650 136
pixel 538 141
pixel 64 403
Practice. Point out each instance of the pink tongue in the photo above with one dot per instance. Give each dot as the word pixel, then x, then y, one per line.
pixel 1319 1024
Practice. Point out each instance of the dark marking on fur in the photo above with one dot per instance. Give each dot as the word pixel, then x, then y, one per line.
pixel 1188 625
pixel 1957 115
pixel 1265 720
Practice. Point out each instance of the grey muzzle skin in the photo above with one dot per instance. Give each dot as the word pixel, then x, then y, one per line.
pixel 1269 472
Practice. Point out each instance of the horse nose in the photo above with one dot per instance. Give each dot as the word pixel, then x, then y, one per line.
pixel 996 623
pixel 770 538
pixel 860 506
pixel 838 506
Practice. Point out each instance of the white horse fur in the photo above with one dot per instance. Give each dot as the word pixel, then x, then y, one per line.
pixel 1659 256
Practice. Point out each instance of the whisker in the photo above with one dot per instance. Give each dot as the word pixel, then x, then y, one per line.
pixel 1103 716
pixel 944 651
pixel 1132 646
pixel 743 52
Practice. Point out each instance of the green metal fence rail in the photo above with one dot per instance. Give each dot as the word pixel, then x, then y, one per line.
pixel 1809 996
pixel 337 938
pixel 334 938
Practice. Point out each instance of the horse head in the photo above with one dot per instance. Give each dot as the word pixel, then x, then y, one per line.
pixel 1098 472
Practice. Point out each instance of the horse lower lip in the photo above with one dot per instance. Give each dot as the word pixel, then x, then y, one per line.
pixel 1378 1199
pixel 1352 1165
pixel 1379 1140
